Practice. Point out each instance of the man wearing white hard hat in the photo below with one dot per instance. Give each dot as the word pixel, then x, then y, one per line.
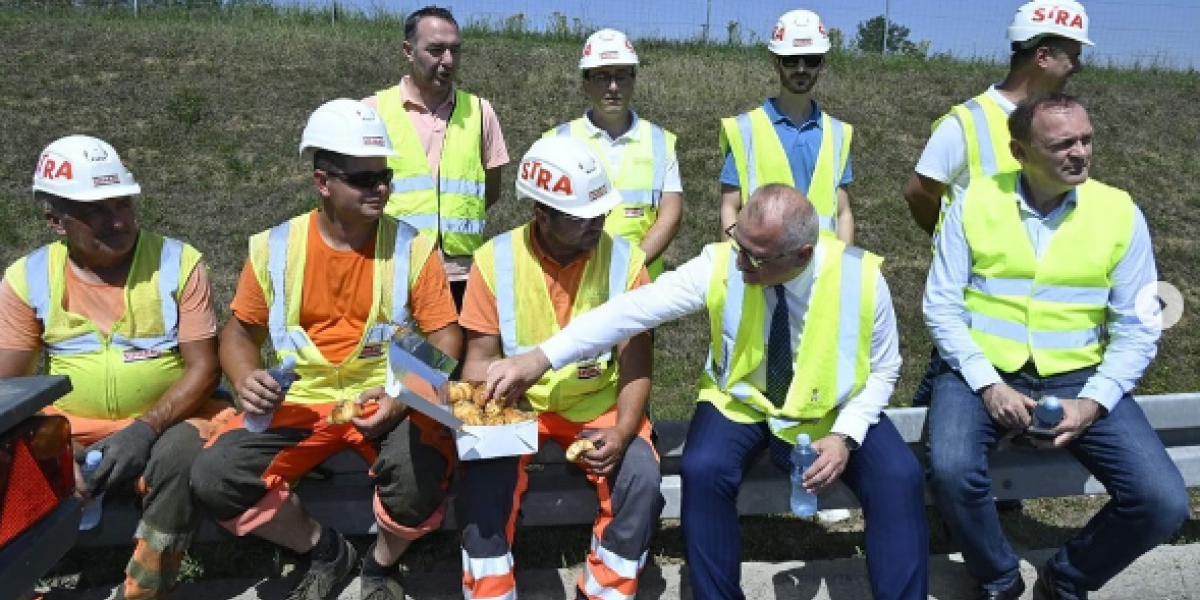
pixel 789 139
pixel 774 372
pixel 971 141
pixel 527 284
pixel 638 155
pixel 327 288
pixel 450 145
pixel 127 314
pixel 1023 307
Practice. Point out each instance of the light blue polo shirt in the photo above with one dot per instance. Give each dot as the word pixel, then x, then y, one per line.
pixel 801 144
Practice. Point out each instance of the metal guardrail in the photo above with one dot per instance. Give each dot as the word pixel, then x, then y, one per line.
pixel 559 494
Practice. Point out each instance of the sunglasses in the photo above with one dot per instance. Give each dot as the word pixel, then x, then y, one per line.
pixel 363 179
pixel 811 61
pixel 755 262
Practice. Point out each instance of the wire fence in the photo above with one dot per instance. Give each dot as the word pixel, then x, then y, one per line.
pixel 1154 34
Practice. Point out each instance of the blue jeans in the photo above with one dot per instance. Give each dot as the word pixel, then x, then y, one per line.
pixel 884 474
pixel 1149 500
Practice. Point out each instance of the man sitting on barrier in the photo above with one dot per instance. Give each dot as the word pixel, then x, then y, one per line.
pixel 1033 293
pixel 803 341
pixel 526 284
pixel 327 288
pixel 127 314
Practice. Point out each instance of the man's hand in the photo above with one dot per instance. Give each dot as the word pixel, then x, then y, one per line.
pixel 832 456
pixel 1007 406
pixel 260 393
pixel 125 455
pixel 1078 415
pixel 389 412
pixel 610 450
pixel 509 378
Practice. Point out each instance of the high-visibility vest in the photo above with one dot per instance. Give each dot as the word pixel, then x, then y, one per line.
pixel 833 358
pixel 640 178
pixel 583 390
pixel 278 256
pixel 452 209
pixel 124 373
pixel 985 132
pixel 760 160
pixel 1052 309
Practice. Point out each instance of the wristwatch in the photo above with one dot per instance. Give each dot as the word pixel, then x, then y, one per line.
pixel 851 445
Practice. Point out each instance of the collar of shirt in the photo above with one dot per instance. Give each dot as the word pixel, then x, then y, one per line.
pixel 1067 205
pixel 1005 104
pixel 813 120
pixel 412 98
pixel 629 135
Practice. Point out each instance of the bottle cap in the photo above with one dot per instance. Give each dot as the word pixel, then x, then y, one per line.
pixel 93 458
pixel 803 440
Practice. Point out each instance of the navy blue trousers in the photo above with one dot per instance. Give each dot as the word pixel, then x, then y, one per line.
pixel 884 475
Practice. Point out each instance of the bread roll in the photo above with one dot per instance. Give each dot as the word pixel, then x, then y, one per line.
pixel 575 451
pixel 346 410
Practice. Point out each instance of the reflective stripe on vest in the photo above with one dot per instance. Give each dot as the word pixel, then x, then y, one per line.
pixel 761 159
pixel 846 284
pixel 1051 309
pixel 451 209
pixel 581 391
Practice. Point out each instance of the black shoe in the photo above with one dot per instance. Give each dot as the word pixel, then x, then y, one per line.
pixel 324 580
pixel 1013 592
pixel 1044 588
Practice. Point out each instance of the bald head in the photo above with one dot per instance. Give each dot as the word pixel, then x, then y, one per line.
pixel 776 203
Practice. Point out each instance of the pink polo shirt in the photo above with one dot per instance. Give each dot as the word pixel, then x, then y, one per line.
pixel 431 129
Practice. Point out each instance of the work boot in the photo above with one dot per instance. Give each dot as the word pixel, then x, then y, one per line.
pixel 381 587
pixel 324 579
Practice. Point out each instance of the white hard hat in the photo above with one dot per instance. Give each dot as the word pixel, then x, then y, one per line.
pixel 607 47
pixel 347 127
pixel 1063 18
pixel 799 32
pixel 84 169
pixel 563 173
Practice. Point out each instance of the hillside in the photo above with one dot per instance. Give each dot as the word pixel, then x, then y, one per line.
pixel 208 116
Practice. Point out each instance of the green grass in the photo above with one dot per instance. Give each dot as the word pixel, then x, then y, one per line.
pixel 207 111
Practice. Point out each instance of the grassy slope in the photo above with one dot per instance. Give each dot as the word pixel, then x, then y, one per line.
pixel 208 117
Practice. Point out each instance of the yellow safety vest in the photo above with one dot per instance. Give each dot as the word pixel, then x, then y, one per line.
pixel 985 131
pixel 581 391
pixel 1052 308
pixel 452 209
pixel 760 160
pixel 834 355
pixel 123 374
pixel 278 256
pixel 640 178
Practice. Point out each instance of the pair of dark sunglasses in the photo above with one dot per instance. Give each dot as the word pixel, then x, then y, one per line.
pixel 363 179
pixel 811 61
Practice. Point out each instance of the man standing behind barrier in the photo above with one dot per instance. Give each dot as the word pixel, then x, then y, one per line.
pixel 1032 293
pixel 126 314
pixel 328 287
pixel 638 155
pixel 971 141
pixel 803 341
pixel 789 139
pixel 528 283
pixel 449 143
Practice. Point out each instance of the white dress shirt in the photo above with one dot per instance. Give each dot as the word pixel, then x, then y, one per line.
pixel 614 151
pixel 683 291
pixel 1131 343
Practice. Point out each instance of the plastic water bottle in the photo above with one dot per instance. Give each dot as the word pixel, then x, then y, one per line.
pixel 284 374
pixel 91 511
pixel 804 503
pixel 1049 412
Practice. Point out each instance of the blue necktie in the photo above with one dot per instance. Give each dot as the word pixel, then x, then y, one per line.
pixel 779 372
pixel 779 351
